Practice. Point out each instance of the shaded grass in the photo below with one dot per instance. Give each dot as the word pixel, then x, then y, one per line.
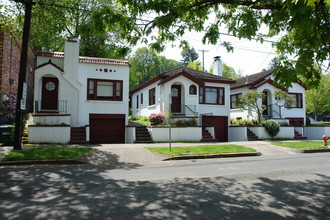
pixel 303 145
pixel 201 150
pixel 44 153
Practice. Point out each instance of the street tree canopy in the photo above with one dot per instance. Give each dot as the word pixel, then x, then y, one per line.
pixel 304 27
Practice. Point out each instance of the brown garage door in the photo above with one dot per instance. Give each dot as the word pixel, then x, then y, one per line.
pixel 220 124
pixel 107 128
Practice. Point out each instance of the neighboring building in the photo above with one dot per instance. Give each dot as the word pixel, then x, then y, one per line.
pixel 264 82
pixel 10 54
pixel 188 93
pixel 88 96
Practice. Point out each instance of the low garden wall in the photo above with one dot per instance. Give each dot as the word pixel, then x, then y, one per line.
pixel 316 133
pixel 161 134
pixel 238 133
pixel 130 135
pixel 51 119
pixel 49 134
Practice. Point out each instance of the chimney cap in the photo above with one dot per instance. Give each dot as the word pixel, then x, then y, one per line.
pixel 217 58
pixel 73 39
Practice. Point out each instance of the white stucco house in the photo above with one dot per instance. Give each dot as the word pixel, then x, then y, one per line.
pixel 264 82
pixel 79 99
pixel 188 93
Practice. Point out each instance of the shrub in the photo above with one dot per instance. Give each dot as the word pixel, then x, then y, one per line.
pixel 156 119
pixel 308 121
pixel 134 117
pixel 186 123
pixel 272 127
pixel 8 109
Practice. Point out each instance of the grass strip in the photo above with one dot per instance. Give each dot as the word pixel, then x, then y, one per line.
pixel 302 145
pixel 201 150
pixel 44 153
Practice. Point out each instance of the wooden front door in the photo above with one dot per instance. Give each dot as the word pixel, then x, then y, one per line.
pixel 49 99
pixel 265 103
pixel 176 98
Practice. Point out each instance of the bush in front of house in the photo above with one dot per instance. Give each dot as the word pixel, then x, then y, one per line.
pixel 156 119
pixel 244 122
pixel 186 123
pixel 8 109
pixel 272 127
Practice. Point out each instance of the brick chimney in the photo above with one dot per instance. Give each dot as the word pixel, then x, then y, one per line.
pixel 217 66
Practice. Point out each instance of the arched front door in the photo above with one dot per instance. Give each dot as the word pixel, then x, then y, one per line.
pixel 49 98
pixel 176 98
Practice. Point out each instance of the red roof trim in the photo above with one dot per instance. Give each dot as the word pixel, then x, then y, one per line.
pixel 84 59
pixel 271 82
pixel 182 74
pixel 148 83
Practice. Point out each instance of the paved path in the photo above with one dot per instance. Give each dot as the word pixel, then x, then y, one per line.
pixel 134 155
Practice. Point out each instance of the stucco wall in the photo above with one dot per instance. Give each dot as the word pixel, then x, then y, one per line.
pixel 237 133
pixel 49 134
pixel 316 133
pixel 286 113
pixel 285 132
pixel 159 134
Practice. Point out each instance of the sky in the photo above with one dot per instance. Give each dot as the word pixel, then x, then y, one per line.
pixel 249 57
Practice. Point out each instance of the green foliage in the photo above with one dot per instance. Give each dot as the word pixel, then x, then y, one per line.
pixel 249 101
pixel 146 64
pixel 304 27
pixel 318 99
pixel 305 145
pixel 284 98
pixel 195 65
pixel 189 55
pixel 244 122
pixel 202 150
pixel 139 119
pixel 272 127
pixel 44 153
pixel 186 123
pixel 308 121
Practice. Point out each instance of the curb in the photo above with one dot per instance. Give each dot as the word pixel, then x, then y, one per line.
pixel 312 150
pixel 36 162
pixel 210 156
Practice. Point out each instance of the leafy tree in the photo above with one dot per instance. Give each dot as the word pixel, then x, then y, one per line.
pixel 54 20
pixel 252 101
pixel 189 55
pixel 146 64
pixel 195 65
pixel 318 99
pixel 228 72
pixel 304 27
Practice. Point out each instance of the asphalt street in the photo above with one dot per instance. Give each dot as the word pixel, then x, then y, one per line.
pixel 293 186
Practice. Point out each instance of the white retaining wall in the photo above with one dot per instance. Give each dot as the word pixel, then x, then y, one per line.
pixel 130 135
pixel 51 120
pixel 161 134
pixel 237 134
pixel 316 133
pixel 49 134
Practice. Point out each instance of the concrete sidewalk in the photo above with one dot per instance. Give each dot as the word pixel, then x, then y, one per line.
pixel 134 155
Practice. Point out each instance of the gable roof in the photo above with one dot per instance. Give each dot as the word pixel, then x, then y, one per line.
pixel 196 76
pixel 252 80
pixel 82 59
pixel 50 63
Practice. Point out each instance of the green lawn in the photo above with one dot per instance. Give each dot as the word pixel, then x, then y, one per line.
pixel 201 150
pixel 303 145
pixel 43 153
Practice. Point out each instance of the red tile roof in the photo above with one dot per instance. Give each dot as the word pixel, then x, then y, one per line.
pixel 84 59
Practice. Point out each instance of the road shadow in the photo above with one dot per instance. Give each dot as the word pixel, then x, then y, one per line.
pixel 81 192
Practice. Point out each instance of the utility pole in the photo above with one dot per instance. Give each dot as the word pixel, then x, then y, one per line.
pixel 22 72
pixel 203 51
